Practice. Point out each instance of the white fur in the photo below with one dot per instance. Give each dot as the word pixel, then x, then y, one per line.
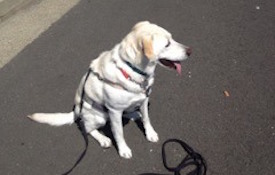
pixel 142 47
pixel 54 119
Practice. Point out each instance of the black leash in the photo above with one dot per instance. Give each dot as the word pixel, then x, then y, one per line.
pixel 81 126
pixel 192 159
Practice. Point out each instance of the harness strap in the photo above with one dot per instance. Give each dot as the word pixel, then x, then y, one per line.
pixel 103 108
pixel 105 80
pixel 94 104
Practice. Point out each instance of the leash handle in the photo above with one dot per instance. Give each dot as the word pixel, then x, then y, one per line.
pixel 192 158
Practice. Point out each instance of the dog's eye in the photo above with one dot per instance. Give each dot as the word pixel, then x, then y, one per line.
pixel 168 44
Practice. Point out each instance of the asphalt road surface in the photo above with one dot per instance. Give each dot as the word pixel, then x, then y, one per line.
pixel 233 50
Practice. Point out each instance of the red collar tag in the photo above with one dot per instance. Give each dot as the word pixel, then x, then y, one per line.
pixel 126 75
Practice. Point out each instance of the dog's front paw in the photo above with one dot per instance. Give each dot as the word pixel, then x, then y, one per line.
pixel 125 152
pixel 105 142
pixel 152 135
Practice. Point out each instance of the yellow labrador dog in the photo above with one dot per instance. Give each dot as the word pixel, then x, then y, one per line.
pixel 120 81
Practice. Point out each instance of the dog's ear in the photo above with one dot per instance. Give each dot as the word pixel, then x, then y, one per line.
pixel 140 24
pixel 147 46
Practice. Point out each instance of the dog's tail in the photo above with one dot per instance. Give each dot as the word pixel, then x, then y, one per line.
pixel 54 119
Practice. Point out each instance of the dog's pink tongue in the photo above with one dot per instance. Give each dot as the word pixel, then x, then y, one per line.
pixel 178 67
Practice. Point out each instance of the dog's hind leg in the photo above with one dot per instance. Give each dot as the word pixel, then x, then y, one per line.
pixel 103 140
pixel 94 121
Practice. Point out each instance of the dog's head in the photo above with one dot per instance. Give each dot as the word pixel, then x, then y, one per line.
pixel 148 43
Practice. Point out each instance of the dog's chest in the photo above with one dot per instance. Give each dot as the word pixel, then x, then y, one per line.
pixel 124 100
pixel 135 103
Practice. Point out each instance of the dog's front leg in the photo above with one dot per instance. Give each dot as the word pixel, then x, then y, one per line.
pixel 117 130
pixel 151 134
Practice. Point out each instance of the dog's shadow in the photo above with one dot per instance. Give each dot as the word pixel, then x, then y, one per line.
pixel 106 130
pixel 127 117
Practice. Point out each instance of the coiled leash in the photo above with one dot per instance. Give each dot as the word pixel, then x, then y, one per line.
pixel 191 159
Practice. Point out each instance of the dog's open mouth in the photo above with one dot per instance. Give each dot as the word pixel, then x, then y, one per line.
pixel 171 64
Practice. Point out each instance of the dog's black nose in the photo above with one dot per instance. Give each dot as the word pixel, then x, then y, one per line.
pixel 188 51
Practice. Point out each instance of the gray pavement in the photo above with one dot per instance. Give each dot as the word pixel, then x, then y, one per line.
pixel 26 22
pixel 233 50
pixel 10 7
